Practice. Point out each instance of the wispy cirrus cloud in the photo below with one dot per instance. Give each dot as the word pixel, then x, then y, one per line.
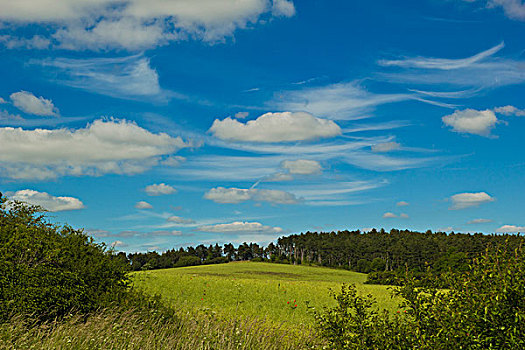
pixel 345 101
pixel 241 227
pixel 130 77
pixel 477 72
pixel 441 63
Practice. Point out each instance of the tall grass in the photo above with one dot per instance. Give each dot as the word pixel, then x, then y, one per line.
pixel 132 329
pixel 274 292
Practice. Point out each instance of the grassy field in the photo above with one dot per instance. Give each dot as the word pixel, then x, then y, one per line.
pixel 271 292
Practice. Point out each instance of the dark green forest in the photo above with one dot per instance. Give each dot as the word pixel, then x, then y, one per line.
pixel 385 256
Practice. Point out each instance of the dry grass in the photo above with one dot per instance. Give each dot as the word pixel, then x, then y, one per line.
pixel 119 329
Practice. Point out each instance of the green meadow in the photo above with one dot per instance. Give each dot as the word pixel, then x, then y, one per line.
pixel 275 293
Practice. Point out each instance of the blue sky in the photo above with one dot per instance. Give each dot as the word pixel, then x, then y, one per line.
pixel 159 124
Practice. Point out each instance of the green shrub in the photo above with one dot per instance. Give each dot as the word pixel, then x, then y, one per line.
pixel 48 271
pixel 484 308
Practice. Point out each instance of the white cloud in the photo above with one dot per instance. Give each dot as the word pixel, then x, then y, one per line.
pixel 179 220
pixel 404 216
pixel 103 147
pixel 238 195
pixel 2 101
pixel 5 115
pixel 241 115
pixel 37 42
pixel 472 121
pixel 402 204
pixel 478 72
pixel 510 229
pixel 478 221
pixel 335 101
pixel 442 63
pixel 118 244
pixel 514 9
pixel 143 205
pixel 467 200
pixel 29 103
pixel 386 147
pixel 159 189
pixel 302 167
pixel 389 215
pixel 240 227
pixel 138 24
pixel 47 201
pixel 129 77
pixel 173 161
pixel 510 110
pixel 165 233
pixel 278 177
pixel 283 8
pixel 127 33
pixel 276 127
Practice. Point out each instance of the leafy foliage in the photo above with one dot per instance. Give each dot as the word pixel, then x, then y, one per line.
pixel 48 271
pixel 483 309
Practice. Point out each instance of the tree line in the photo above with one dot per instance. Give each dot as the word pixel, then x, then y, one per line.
pixel 385 256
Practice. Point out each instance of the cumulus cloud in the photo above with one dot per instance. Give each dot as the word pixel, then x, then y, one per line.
pixel 240 227
pixel 514 9
pixel 241 115
pixel 471 121
pixel 143 205
pixel 238 195
pixel 283 8
pixel 5 115
pixel 159 189
pixel 467 200
pixel 2 101
pixel 30 104
pixel 510 229
pixel 47 201
pixel 478 221
pixel 404 216
pixel 389 215
pixel 37 42
pixel 402 204
pixel 386 147
pixel 276 127
pixel 302 167
pixel 510 110
pixel 103 147
pixel 178 220
pixel 138 24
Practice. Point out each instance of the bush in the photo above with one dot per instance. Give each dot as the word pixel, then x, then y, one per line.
pixel 484 308
pixel 48 271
